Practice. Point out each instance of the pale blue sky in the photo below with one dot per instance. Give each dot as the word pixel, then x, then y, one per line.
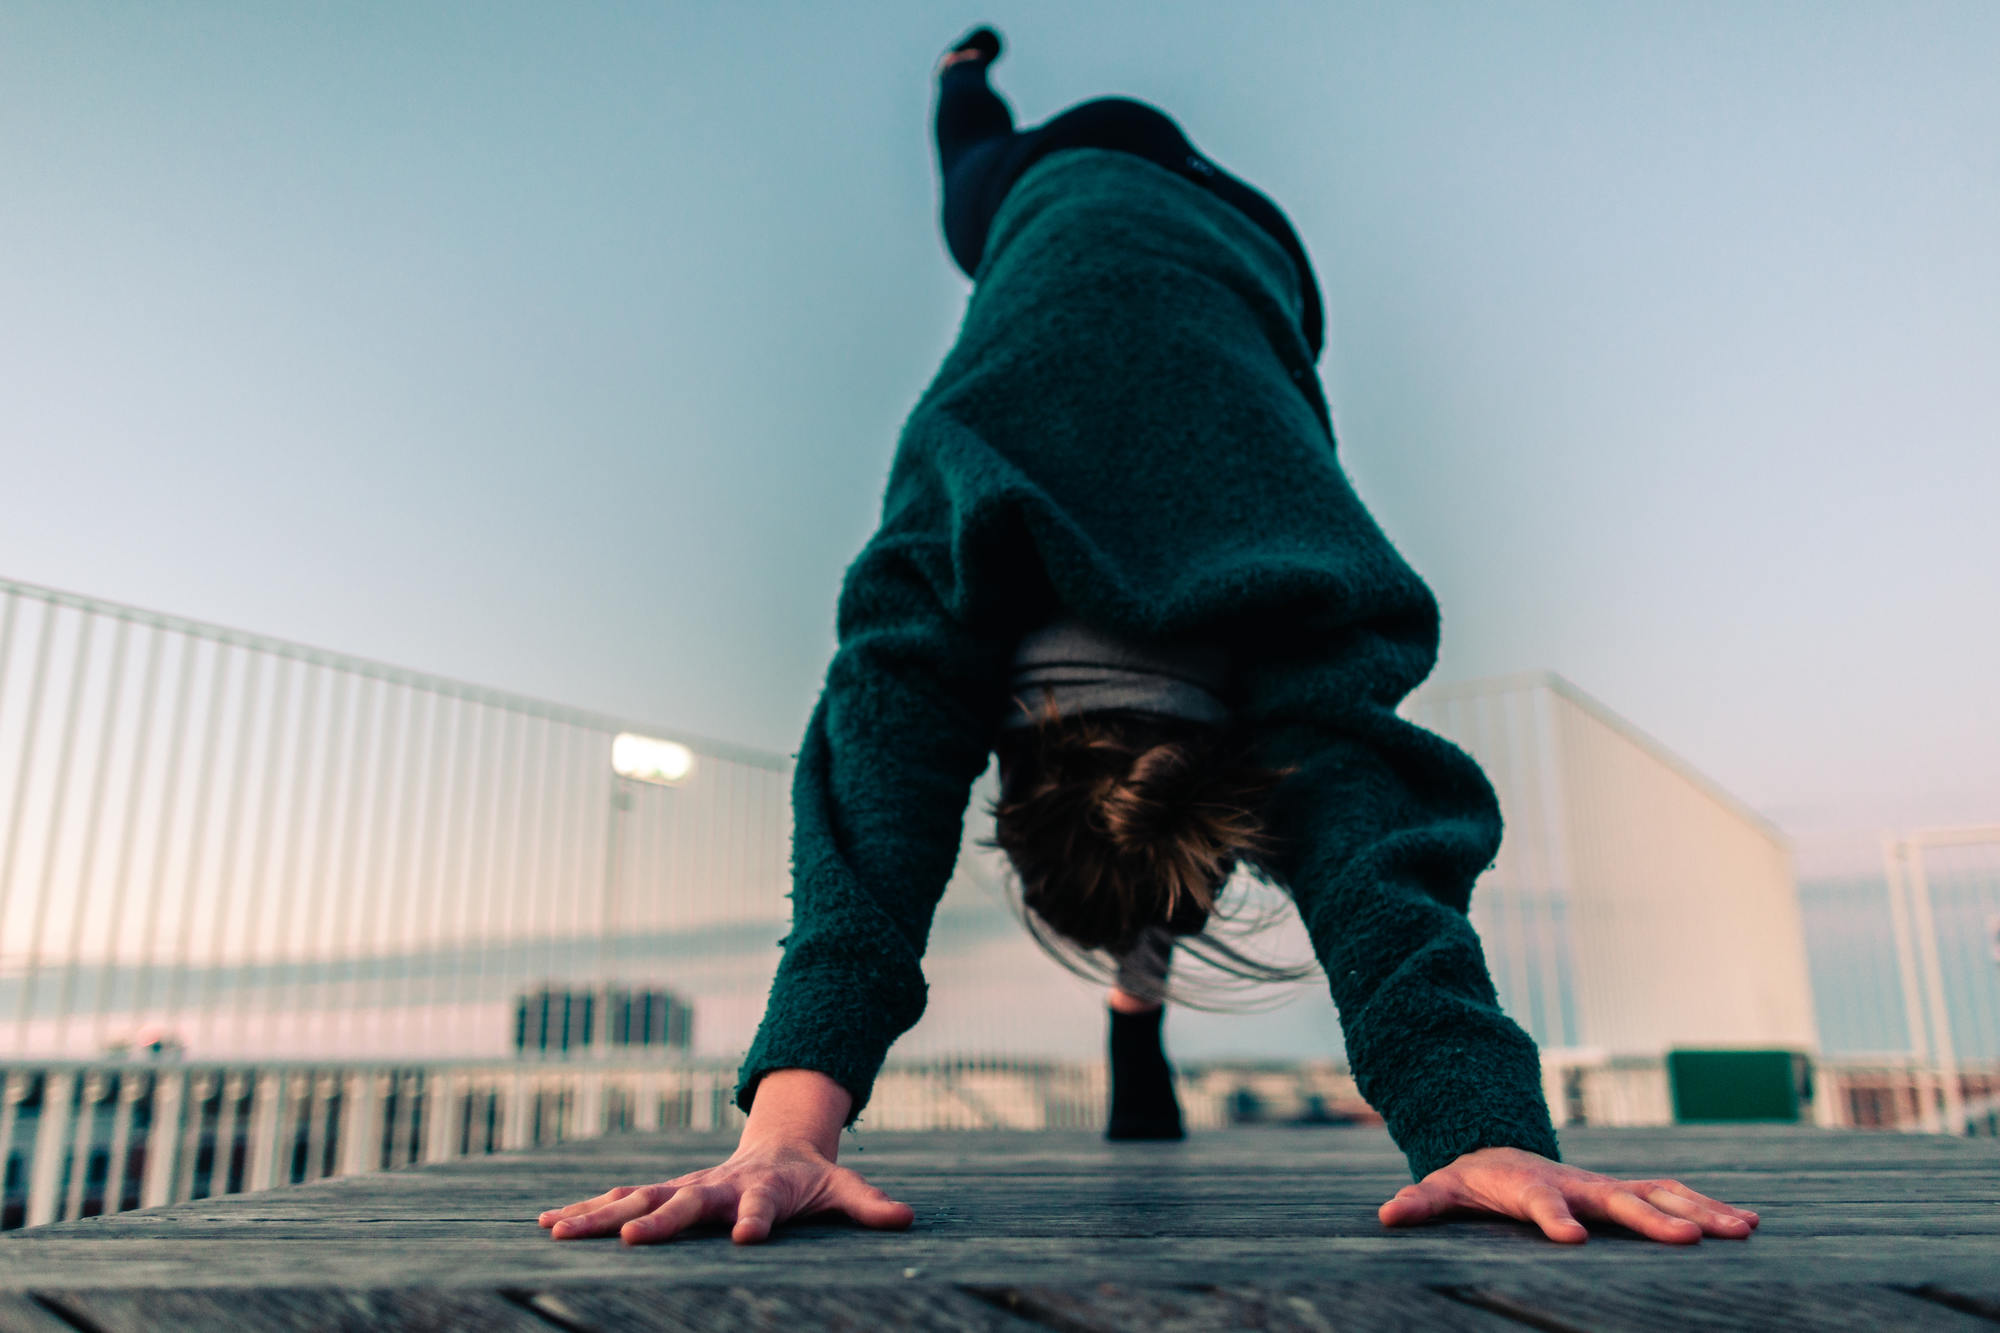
pixel 563 347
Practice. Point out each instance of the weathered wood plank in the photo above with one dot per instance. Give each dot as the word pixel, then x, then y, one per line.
pixel 1977 1297
pixel 1620 1306
pixel 1448 1258
pixel 414 1310
pixel 1253 1206
pixel 1111 1307
pixel 851 1308
pixel 20 1313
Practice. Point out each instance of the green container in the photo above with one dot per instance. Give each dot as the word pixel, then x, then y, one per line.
pixel 1734 1085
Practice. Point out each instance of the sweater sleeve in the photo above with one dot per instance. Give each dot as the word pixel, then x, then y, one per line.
pixel 1381 831
pixel 902 729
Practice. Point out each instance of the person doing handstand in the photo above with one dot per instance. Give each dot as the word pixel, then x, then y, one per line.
pixel 1118 552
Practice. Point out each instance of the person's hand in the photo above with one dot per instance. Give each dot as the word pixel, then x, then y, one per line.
pixel 1523 1185
pixel 761 1185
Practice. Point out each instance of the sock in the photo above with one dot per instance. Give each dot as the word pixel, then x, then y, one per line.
pixel 1143 1105
pixel 983 40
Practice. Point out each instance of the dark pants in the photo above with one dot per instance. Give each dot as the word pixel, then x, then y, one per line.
pixel 981 155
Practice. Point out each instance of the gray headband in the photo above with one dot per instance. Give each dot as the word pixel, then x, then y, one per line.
pixel 1081 669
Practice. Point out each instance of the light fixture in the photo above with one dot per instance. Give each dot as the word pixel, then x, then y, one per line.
pixel 645 759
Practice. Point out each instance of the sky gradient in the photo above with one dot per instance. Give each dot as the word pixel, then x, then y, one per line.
pixel 563 348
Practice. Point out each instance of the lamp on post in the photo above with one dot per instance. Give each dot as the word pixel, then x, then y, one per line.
pixel 635 759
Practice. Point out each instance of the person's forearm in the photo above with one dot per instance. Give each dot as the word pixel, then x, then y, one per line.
pixel 799 1105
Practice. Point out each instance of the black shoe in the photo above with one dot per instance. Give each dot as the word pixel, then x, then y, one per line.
pixel 983 40
pixel 1143 1104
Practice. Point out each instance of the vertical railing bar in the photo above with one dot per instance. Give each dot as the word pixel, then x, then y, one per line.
pixel 221 661
pixel 739 833
pixel 563 850
pixel 453 869
pixel 437 849
pixel 479 773
pixel 363 839
pixel 86 872
pixel 756 819
pixel 666 855
pixel 31 725
pixel 294 1124
pixel 418 790
pixel 13 1091
pixel 1542 872
pixel 315 961
pixel 709 857
pixel 1893 854
pixel 405 1085
pixel 222 1160
pixel 262 882
pixel 520 862
pixel 589 885
pixel 135 786
pixel 1556 857
pixel 142 974
pixel 652 890
pixel 199 839
pixel 121 1131
pixel 760 823
pixel 287 975
pixel 1924 926
pixel 194 1113
pixel 506 783
pixel 714 777
pixel 618 797
pixel 1980 899
pixel 341 886
pixel 372 938
pixel 315 1127
pixel 451 958
pixel 7 644
pixel 90 1089
pixel 52 842
pixel 232 820
pixel 659 895
pixel 528 881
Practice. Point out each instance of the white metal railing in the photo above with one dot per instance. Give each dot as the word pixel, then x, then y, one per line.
pixel 87 1138
pixel 81 1138
pixel 250 849
pixel 1944 897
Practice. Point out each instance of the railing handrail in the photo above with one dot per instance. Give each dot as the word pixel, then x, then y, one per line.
pixel 507 700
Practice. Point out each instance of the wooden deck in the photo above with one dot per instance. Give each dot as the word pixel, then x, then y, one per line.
pixel 1268 1228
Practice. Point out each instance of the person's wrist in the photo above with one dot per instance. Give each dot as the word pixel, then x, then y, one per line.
pixel 798 1106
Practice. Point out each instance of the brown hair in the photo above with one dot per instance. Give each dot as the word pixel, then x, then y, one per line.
pixel 1117 820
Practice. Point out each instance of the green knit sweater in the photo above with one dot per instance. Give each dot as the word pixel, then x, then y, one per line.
pixel 1128 428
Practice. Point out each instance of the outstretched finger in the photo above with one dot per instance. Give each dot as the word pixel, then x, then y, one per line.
pixel 756 1214
pixel 1712 1220
pixel 603 1221
pixel 1696 1196
pixel 1545 1206
pixel 1627 1209
pixel 866 1204
pixel 554 1215
pixel 1413 1204
pixel 690 1204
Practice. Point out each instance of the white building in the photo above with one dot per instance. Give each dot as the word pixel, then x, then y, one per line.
pixel 1635 906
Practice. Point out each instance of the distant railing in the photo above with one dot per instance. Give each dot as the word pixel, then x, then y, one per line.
pixel 233 847
pixel 1944 899
pixel 82 1139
